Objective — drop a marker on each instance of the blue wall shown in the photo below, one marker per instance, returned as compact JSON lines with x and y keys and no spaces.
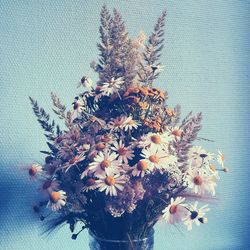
{"x":47,"y":46}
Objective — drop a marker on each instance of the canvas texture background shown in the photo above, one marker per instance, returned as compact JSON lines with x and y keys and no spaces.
{"x":47,"y":46}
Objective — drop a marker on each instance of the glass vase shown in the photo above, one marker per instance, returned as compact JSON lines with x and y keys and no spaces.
{"x":96,"y":243}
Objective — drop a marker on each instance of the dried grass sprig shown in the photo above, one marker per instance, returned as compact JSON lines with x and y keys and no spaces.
{"x":191,"y":126}
{"x":155,"y":41}
{"x":61,"y":111}
{"x":43,"y":119}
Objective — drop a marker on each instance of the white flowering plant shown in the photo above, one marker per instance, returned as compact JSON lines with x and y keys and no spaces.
{"x":124,"y":160}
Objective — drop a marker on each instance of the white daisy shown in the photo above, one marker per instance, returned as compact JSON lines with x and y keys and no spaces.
{"x":221,"y":158}
{"x":35,"y":171}
{"x":196,"y":151}
{"x":196,"y":215}
{"x":57,"y":200}
{"x":141,"y":168}
{"x":130,"y":124}
{"x":103,"y":161}
{"x":200,"y":182}
{"x":176,"y":211}
{"x":96,"y":148}
{"x":73,"y":161}
{"x":199,"y":156}
{"x":175,"y":132}
{"x":213,"y":171}
{"x":66,"y":151}
{"x":90,"y":184}
{"x":111,"y":87}
{"x":154,"y":158}
{"x":110,"y":183}
{"x":97,"y":93}
{"x":124,"y":153}
{"x":85,"y":82}
{"x":155,"y":140}
{"x":79,"y":105}
{"x":117,"y":123}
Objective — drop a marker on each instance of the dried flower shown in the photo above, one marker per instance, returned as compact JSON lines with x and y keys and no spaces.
{"x":196,"y":215}
{"x":57,"y":200}
{"x":176,"y":211}
{"x":86,"y":82}
{"x":35,"y":170}
{"x":111,"y":87}
{"x":200,"y":182}
{"x":104,"y":161}
{"x":124,"y":152}
{"x":110,"y":183}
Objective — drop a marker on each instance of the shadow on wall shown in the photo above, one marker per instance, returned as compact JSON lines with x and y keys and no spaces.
{"x":17,"y":196}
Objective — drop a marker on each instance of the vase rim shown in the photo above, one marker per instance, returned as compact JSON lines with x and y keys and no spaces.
{"x":151,"y":232}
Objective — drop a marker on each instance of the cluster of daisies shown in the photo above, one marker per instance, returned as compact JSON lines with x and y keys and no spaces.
{"x":200,"y":179}
{"x":104,"y":154}
{"x":123,"y":155}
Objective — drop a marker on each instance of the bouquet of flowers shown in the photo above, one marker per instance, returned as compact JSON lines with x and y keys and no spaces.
{"x":123,"y":160}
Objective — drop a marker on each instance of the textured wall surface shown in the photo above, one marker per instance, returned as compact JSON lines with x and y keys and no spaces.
{"x":47,"y":46}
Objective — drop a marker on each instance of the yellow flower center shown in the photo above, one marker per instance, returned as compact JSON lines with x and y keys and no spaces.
{"x":142,"y":165}
{"x":122,"y":151}
{"x":197,"y":180}
{"x":154,"y":158}
{"x":173,"y":209}
{"x":100,"y":146}
{"x":118,"y":122}
{"x":222,"y":157}
{"x":131,"y":122}
{"x":110,"y":180}
{"x":32,"y":171}
{"x":73,"y":160}
{"x":90,"y":182}
{"x":105,"y":164}
{"x":177,"y":132}
{"x":55,"y":196}
{"x":156,"y":139}
{"x":98,"y":90}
